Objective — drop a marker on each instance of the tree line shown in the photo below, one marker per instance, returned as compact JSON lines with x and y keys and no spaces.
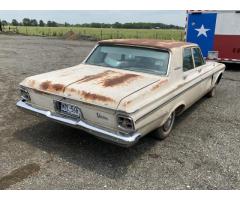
{"x":134,"y":25}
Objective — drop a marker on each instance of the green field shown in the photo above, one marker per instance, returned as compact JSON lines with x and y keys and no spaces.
{"x":99,"y":33}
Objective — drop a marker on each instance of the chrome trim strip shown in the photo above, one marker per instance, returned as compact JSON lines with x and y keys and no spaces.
{"x":167,"y":94}
{"x":174,"y":97}
{"x":114,"y":137}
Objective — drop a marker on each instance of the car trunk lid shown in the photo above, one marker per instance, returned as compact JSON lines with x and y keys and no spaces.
{"x":96,"y":85}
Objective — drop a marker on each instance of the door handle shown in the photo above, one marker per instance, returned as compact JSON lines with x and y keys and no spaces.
{"x":199,"y":70}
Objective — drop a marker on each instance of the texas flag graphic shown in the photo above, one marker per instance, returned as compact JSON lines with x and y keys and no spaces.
{"x":216,"y":32}
{"x":201,"y":30}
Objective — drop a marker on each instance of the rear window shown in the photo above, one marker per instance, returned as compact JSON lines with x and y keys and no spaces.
{"x":131,"y":58}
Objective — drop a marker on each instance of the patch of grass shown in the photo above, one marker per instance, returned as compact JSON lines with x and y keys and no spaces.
{"x":104,"y":33}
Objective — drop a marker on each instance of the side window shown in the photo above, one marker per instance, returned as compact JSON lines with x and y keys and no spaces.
{"x":198,"y":59}
{"x":187,"y":60}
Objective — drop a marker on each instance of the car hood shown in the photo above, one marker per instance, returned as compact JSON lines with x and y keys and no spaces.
{"x":96,"y":85}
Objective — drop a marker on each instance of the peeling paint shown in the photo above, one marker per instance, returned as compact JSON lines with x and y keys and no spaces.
{"x":151,"y":43}
{"x":96,"y":97}
{"x":31,"y":83}
{"x":158,"y":85}
{"x":96,"y":76}
{"x":127,"y":103}
{"x":47,"y":85}
{"x":58,"y":87}
{"x":110,"y":82}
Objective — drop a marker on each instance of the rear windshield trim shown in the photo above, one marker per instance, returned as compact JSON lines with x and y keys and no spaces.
{"x":132,"y":46}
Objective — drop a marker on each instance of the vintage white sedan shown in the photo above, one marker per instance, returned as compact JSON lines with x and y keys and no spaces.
{"x":125,"y":88}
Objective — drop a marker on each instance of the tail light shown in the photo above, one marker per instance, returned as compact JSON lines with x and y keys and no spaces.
{"x":24,"y":94}
{"x":125,"y":123}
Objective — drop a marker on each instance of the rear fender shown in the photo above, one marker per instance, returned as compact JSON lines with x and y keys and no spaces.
{"x":217,"y":76}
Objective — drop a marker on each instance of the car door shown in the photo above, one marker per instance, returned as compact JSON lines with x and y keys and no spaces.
{"x":191,"y":78}
{"x":202,"y":68}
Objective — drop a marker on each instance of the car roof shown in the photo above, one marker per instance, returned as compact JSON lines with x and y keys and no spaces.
{"x":150,"y":43}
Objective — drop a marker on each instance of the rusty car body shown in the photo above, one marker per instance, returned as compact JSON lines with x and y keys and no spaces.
{"x":123,"y":104}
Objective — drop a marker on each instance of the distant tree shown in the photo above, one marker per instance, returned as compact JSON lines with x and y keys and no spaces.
{"x":117,"y":25}
{"x":4,"y":23}
{"x":0,"y":26}
{"x":66,"y":24}
{"x":15,"y":22}
{"x":96,"y":25}
{"x":54,"y":24}
{"x":26,"y":22}
{"x":41,"y":23}
{"x":51,"y":24}
{"x":33,"y":22}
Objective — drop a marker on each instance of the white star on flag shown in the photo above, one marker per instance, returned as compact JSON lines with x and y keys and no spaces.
{"x":202,"y":31}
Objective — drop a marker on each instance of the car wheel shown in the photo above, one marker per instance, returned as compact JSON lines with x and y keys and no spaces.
{"x":164,"y":131}
{"x":212,"y":92}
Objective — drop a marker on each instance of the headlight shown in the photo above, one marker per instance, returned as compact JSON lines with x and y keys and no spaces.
{"x":24,"y":94}
{"x":125,"y":123}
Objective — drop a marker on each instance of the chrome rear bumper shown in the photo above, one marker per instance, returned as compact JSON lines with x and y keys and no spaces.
{"x":120,"y":139}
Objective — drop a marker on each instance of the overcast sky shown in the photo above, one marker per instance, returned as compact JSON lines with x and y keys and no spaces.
{"x":74,"y":17}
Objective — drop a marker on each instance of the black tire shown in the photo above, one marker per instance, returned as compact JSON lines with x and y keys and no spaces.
{"x":164,"y":131}
{"x":212,"y":92}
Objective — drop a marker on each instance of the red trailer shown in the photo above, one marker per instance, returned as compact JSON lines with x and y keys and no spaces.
{"x":216,"y":32}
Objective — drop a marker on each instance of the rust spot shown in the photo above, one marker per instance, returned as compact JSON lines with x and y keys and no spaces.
{"x":166,"y":44}
{"x":96,"y":76}
{"x":127,"y":103}
{"x":158,"y":85}
{"x":31,"y":83}
{"x":58,"y":87}
{"x":110,"y":82}
{"x":40,"y":92}
{"x":90,"y":96}
{"x":47,"y":85}
{"x":72,"y":90}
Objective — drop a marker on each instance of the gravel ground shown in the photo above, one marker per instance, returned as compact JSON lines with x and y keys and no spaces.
{"x":201,"y":153}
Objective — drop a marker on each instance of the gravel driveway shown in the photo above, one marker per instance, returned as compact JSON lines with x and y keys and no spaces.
{"x":201,"y":153}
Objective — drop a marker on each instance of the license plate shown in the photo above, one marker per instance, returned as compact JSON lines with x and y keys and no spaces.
{"x":68,"y":109}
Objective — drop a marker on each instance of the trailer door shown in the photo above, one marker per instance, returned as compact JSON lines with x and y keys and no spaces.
{"x":227,"y":36}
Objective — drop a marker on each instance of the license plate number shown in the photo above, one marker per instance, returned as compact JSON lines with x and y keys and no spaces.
{"x":68,"y":109}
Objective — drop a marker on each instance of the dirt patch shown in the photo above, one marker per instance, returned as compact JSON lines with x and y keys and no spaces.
{"x":18,"y":175}
{"x":154,"y":155}
{"x":71,"y":35}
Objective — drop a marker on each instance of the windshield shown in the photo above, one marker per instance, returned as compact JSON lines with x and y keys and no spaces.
{"x":131,"y":58}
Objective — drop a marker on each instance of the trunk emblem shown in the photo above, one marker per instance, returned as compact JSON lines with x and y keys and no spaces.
{"x":99,"y":115}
